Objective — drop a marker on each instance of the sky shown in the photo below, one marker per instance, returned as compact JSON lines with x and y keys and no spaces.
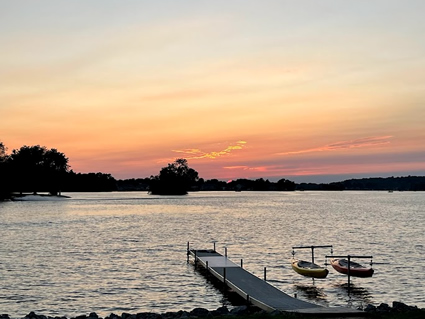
{"x":307,"y":90}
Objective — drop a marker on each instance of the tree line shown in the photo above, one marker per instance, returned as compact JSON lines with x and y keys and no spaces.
{"x":33,"y":169}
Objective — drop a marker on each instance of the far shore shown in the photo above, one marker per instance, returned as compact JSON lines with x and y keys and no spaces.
{"x":37,"y":196}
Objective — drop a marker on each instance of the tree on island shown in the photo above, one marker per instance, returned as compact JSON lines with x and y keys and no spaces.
{"x":175,"y":179}
{"x":4,"y":173}
{"x":36,"y":168}
{"x":2,"y":152}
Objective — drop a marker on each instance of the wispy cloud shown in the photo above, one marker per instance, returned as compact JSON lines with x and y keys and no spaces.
{"x":357,"y":143}
{"x":248,"y":168}
{"x":194,"y":153}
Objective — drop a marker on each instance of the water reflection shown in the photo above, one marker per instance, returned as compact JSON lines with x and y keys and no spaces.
{"x":310,"y":292}
{"x":357,"y":295}
{"x":100,"y":252}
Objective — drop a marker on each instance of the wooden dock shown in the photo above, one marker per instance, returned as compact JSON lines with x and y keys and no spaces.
{"x":259,"y":292}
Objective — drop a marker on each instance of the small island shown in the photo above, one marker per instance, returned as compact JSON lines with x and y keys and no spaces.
{"x":175,"y":179}
{"x":33,"y":170}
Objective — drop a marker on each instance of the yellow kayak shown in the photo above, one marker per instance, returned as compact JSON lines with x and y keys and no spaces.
{"x":309,"y":269}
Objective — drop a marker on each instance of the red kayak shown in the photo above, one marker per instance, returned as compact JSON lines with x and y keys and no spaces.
{"x":356,"y":270}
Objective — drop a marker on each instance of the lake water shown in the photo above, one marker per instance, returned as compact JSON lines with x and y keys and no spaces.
{"x":126,"y":252}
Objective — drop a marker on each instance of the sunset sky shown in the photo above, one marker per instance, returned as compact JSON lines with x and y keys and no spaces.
{"x":314,"y":91}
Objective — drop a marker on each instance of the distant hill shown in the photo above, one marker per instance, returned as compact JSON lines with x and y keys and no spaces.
{"x":408,"y":183}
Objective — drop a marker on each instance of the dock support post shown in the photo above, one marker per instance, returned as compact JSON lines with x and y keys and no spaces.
{"x":241,"y":263}
{"x":187,"y":251}
{"x":348,"y":272}
{"x":348,"y":257}
{"x":214,"y":244}
{"x":265,"y":274}
{"x":196,"y":259}
{"x":225,"y":251}
{"x":206,"y":265}
{"x":224,"y":275}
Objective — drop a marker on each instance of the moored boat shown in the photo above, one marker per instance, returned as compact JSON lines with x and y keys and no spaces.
{"x":356,"y":270}
{"x":309,"y":269}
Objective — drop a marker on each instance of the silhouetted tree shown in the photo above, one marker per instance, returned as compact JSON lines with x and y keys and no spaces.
{"x":2,"y":151}
{"x":4,"y":173}
{"x":175,"y":179}
{"x":133,"y":184}
{"x":90,"y":182}
{"x":35,"y":168}
{"x":261,"y":185}
{"x":213,"y":185}
{"x":285,"y":185}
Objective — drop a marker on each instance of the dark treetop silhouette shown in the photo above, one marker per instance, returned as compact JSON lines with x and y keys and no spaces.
{"x":38,"y":169}
{"x":31,"y":169}
{"x":175,"y":179}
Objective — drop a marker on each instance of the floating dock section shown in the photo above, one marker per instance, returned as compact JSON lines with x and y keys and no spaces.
{"x":259,"y":292}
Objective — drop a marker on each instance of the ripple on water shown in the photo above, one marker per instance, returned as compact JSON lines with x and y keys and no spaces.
{"x":126,"y":252}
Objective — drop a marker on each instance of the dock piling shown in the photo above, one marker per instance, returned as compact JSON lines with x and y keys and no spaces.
{"x":349,"y":266}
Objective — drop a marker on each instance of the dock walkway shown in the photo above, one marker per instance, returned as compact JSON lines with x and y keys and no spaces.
{"x":257,"y":291}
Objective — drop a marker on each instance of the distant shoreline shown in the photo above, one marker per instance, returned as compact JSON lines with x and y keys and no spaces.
{"x":35,"y":197}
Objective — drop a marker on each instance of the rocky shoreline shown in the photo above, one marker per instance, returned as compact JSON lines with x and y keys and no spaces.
{"x":383,"y":308}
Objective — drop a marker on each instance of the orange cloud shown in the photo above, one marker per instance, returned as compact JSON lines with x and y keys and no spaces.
{"x":357,"y":143}
{"x":194,"y":153}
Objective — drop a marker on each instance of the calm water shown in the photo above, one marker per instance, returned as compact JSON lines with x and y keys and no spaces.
{"x":126,"y":252}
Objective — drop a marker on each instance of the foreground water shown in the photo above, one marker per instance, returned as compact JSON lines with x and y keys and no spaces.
{"x":126,"y":252}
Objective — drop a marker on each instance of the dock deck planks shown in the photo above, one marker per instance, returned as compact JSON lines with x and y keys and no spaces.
{"x":257,"y":291}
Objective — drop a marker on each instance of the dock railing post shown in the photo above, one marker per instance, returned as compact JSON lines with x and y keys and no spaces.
{"x":225,"y":251}
{"x":214,"y":244}
{"x":265,"y":274}
{"x":241,"y":263}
